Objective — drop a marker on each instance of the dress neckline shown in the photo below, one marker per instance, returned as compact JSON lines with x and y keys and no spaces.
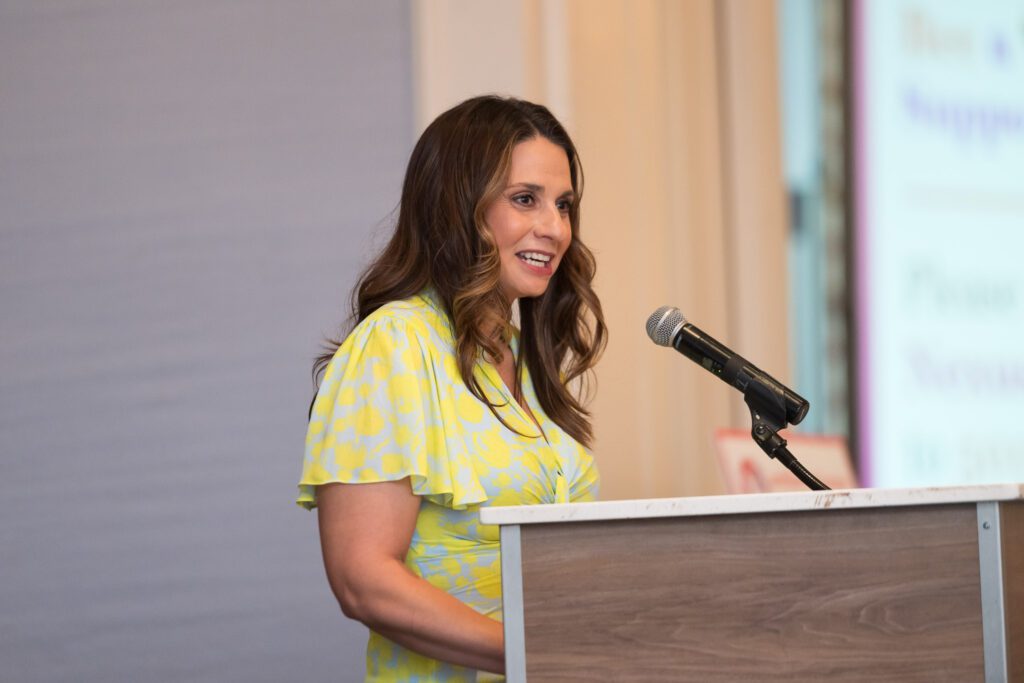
{"x":529,"y":416}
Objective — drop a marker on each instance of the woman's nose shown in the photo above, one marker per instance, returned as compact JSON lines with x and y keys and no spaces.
{"x":551,"y":223}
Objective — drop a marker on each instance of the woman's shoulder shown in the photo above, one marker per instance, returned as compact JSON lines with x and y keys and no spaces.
{"x":421,"y":316}
{"x":401,"y":334}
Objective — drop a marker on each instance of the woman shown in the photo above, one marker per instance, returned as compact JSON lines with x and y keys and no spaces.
{"x":435,"y":405}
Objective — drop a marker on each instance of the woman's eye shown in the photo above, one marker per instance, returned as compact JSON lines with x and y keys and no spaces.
{"x":523,"y":199}
{"x":564,"y":205}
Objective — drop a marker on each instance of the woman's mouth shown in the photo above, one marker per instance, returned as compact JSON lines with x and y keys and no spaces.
{"x":536,"y":259}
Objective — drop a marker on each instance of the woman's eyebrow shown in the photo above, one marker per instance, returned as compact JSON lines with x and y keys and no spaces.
{"x":533,"y":187}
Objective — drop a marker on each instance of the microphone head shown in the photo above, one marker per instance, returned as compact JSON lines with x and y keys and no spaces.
{"x":663,"y":325}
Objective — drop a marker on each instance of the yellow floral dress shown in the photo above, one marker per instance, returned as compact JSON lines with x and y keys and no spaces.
{"x":392,"y":405}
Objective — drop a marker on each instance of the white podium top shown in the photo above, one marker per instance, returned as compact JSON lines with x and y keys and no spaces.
{"x":748,"y":503}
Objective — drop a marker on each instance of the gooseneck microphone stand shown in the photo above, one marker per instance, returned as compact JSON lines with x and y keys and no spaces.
{"x":768,"y":416}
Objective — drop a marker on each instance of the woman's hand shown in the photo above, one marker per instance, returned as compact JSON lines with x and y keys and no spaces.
{"x":365,"y":531}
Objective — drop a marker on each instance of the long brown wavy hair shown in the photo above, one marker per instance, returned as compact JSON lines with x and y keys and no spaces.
{"x":460,"y":165}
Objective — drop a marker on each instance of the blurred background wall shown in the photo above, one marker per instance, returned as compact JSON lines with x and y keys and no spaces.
{"x":188,"y":191}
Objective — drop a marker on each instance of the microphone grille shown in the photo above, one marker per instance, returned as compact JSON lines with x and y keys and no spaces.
{"x":663,"y":324}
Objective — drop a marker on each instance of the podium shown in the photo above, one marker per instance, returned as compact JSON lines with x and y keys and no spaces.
{"x":855,"y":585}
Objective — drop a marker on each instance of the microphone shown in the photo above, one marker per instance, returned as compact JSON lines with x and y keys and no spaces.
{"x":668,"y":327}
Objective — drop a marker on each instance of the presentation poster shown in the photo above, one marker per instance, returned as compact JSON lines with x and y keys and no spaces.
{"x":939,"y":256}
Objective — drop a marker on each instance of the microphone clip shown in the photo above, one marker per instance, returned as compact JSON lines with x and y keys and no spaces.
{"x":767,"y":417}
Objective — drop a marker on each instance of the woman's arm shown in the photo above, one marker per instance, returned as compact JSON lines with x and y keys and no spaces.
{"x":365,"y":531}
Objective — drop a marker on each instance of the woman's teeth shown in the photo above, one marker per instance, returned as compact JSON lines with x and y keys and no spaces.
{"x":534,"y":258}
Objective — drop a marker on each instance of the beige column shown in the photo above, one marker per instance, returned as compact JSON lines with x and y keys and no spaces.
{"x":646,"y":103}
{"x":756,"y":221}
{"x":463,"y":48}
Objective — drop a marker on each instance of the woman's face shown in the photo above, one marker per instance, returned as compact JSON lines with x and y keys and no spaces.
{"x":530,"y":218}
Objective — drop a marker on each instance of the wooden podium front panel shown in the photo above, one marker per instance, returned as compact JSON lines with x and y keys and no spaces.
{"x":854,"y":595}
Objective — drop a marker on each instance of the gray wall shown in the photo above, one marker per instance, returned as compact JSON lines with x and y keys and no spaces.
{"x":186,"y":191}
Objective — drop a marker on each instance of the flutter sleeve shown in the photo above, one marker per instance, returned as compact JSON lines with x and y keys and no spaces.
{"x":379,"y":416}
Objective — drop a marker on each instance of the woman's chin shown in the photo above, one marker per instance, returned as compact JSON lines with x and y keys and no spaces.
{"x":532,"y":292}
{"x":525,"y":290}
